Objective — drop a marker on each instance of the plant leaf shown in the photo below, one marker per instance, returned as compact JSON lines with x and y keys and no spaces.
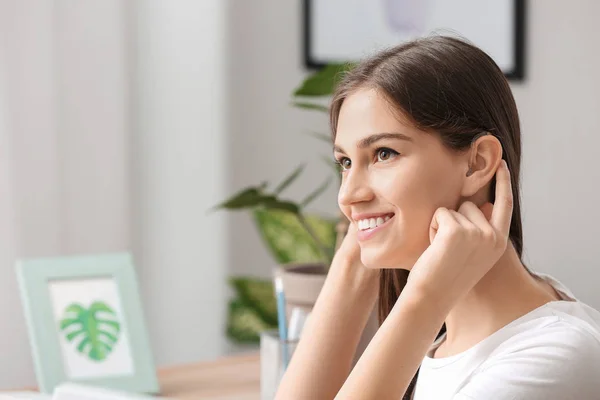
{"x":316,"y":193}
{"x":286,"y":238}
{"x":273,"y":203}
{"x":310,"y":106}
{"x":257,"y":294}
{"x":324,"y":81}
{"x":244,"y":324}
{"x":249,"y":197}
{"x":287,"y":181}
{"x":324,"y":228}
{"x":86,"y":328}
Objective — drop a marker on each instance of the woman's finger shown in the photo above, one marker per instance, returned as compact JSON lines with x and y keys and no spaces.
{"x":441,"y":217}
{"x":463,"y":220}
{"x":475,"y":215}
{"x":503,"y":206}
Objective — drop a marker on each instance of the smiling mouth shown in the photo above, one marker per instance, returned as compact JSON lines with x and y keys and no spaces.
{"x":372,"y":223}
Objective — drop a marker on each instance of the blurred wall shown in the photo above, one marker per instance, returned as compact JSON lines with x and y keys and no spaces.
{"x":179,"y":168}
{"x":268,"y":138}
{"x":112,"y":128}
{"x":14,"y":344}
{"x":65,"y":123}
{"x":560,"y":114}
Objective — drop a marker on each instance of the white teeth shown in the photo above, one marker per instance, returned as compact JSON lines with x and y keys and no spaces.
{"x":371,"y":223}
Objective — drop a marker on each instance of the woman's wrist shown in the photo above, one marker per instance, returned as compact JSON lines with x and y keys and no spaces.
{"x":353,"y":278}
{"x":425,"y":301}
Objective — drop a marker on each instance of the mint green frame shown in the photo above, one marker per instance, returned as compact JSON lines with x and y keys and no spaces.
{"x":33,"y":276}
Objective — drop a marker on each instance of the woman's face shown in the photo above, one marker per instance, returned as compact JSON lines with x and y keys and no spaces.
{"x":394,"y":177}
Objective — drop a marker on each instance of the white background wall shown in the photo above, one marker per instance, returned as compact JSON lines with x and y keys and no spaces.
{"x":125,"y":121}
{"x":559,"y":105}
{"x":113,"y":132}
{"x":65,"y":183}
{"x":179,"y":170}
{"x":265,"y":67}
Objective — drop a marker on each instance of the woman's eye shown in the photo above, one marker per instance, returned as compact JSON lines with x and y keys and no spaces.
{"x":345,"y":163}
{"x":385,"y":154}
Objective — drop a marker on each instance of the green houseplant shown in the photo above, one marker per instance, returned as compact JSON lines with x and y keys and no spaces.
{"x":297,"y":240}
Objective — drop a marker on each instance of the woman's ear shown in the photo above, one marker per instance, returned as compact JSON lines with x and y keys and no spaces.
{"x":484,"y":158}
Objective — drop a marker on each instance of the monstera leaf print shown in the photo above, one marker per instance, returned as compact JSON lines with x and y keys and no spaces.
{"x":94,"y":330}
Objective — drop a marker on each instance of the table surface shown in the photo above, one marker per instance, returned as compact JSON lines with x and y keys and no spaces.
{"x":227,"y":378}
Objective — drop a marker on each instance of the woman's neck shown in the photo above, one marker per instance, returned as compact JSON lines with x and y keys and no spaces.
{"x":504,"y":294}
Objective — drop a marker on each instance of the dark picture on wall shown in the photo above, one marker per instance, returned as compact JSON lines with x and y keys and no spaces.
{"x":349,"y":30}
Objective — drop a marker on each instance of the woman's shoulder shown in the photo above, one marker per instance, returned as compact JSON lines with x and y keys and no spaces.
{"x":558,"y":329}
{"x":572,"y":325}
{"x":566,"y":316}
{"x":559,"y":350}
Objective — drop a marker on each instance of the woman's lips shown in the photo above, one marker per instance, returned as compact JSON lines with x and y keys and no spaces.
{"x":366,"y":234}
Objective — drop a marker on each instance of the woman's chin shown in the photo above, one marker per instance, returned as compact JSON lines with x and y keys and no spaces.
{"x":374,"y":259}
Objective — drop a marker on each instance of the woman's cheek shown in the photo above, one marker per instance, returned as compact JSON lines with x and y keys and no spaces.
{"x":417,"y":210}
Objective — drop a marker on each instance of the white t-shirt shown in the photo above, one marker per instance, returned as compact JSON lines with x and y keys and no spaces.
{"x":553,"y":352}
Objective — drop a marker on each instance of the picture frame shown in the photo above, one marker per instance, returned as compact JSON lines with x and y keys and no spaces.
{"x":85,"y":322}
{"x":341,"y":31}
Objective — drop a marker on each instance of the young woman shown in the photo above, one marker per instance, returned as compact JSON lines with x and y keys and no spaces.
{"x":428,"y":139}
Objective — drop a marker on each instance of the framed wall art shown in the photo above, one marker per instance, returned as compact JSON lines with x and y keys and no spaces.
{"x":339,"y":31}
{"x":86,"y":323}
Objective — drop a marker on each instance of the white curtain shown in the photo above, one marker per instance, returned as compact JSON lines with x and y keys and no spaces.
{"x":64,"y":146}
{"x":16,"y":365}
{"x":112,"y":139}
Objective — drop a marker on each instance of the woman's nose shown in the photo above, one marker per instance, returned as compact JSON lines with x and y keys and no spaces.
{"x":354,"y":189}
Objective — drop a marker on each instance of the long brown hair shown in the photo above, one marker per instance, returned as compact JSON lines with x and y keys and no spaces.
{"x":449,"y":87}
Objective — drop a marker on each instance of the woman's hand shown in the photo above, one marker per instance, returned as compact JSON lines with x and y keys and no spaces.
{"x":465,"y":245}
{"x":347,"y":261}
{"x":323,"y":357}
{"x":349,"y":249}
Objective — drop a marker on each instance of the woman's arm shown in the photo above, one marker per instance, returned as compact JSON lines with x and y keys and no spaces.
{"x":323,"y":358}
{"x":391,"y":360}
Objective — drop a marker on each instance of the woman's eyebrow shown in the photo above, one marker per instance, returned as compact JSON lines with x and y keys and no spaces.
{"x":369,"y":140}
